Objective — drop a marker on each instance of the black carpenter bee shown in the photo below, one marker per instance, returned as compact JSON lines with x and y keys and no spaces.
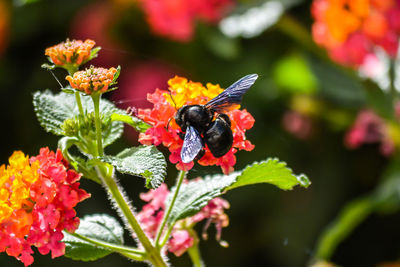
{"x":207,"y":124}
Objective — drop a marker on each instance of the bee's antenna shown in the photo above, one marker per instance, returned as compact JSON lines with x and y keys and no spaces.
{"x":172,"y":100}
{"x":55,"y":77}
{"x":169,"y":120}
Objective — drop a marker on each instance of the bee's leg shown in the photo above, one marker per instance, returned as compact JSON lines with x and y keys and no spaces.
{"x":201,"y":154}
{"x":202,"y":151}
{"x":181,"y":135}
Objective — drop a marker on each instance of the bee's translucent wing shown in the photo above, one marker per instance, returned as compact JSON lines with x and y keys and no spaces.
{"x":192,"y":145}
{"x":233,"y":94}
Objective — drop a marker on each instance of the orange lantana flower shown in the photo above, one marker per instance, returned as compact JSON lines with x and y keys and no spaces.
{"x":92,"y":79}
{"x":73,"y":52}
{"x":350,"y":29}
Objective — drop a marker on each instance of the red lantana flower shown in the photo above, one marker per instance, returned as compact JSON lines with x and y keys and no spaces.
{"x":165,"y":130}
{"x":37,"y":200}
{"x":351,"y":29}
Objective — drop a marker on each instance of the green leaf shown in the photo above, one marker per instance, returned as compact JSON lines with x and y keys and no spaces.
{"x":116,"y":75}
{"x":64,"y":144}
{"x":53,"y":109}
{"x":271,"y":171}
{"x":93,"y":53}
{"x":78,"y":163}
{"x":380,"y":101}
{"x":133,"y":121}
{"x":100,"y":227}
{"x":145,"y":161}
{"x":68,"y":90}
{"x":194,"y":195}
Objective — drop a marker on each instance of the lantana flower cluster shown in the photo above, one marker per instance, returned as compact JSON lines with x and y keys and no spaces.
{"x":350,"y":30}
{"x":37,"y":200}
{"x":92,"y":79}
{"x":70,"y":52}
{"x":182,"y":235}
{"x":176,"y":19}
{"x":165,"y":130}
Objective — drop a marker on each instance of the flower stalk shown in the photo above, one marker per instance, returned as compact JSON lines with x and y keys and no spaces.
{"x":133,"y":253}
{"x":79,"y":103}
{"x":96,"y":103}
{"x":194,"y":254}
{"x":181,"y":176}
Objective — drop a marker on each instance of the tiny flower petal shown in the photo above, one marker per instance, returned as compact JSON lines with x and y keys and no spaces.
{"x":180,"y":242}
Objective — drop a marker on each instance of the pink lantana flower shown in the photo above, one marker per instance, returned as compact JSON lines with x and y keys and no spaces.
{"x":369,"y":128}
{"x":176,"y":18}
{"x":182,"y":236}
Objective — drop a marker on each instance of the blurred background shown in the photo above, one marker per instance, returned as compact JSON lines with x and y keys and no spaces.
{"x":335,"y":122}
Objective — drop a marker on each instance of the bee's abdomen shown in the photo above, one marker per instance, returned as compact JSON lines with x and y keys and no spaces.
{"x":219,"y":137}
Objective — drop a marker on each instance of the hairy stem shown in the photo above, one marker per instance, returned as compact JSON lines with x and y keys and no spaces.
{"x":152,"y":254}
{"x":180,"y":178}
{"x":138,"y":254}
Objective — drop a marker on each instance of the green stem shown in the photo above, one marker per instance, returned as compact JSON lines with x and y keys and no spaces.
{"x":194,"y":254}
{"x":79,"y":103}
{"x":71,"y":70}
{"x":152,"y":254}
{"x":96,"y":103}
{"x":180,"y":178}
{"x":392,"y":79}
{"x":114,"y":247}
{"x":348,"y":219}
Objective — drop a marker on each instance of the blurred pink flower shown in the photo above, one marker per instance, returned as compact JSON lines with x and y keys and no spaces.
{"x":176,"y":18}
{"x":4,"y":24}
{"x":297,"y":124}
{"x":369,"y":128}
{"x":94,"y":21}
